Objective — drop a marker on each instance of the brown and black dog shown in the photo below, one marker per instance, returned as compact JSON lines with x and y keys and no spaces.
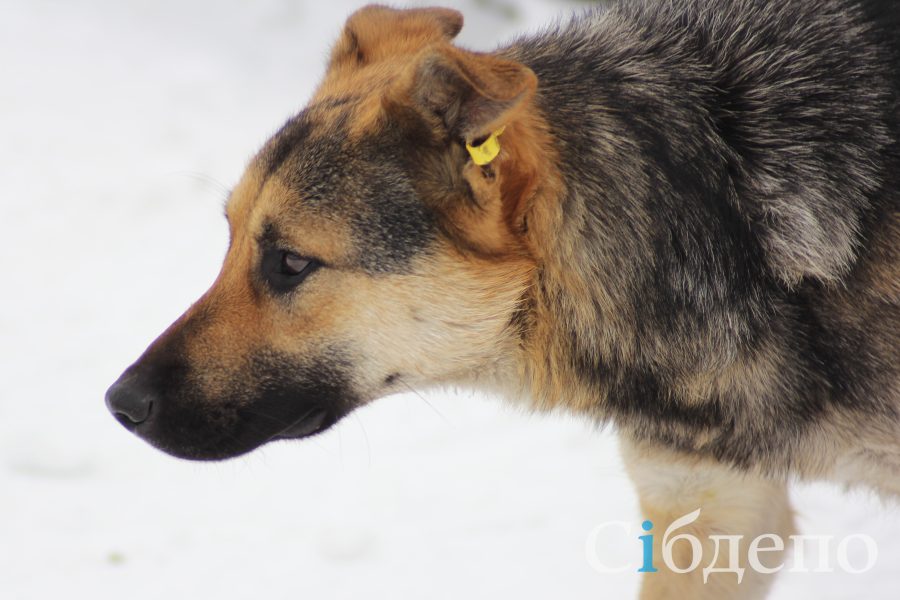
{"x":682,"y":217}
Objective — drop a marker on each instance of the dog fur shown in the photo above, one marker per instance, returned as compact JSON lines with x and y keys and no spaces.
{"x":692,"y":231}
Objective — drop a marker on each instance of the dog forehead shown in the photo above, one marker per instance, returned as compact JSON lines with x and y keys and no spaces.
{"x":292,"y":170}
{"x":313,"y":171}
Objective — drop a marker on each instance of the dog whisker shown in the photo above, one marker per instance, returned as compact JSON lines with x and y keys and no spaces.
{"x":422,"y":398}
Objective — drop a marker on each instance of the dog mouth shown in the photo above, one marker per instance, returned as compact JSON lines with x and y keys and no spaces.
{"x":242,"y":440}
{"x":167,"y":411}
{"x":314,"y":421}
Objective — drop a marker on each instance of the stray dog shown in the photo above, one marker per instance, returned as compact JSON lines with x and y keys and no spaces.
{"x":681,"y":217}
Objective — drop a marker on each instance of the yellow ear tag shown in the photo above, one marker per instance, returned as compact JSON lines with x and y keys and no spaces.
{"x":486,"y":151}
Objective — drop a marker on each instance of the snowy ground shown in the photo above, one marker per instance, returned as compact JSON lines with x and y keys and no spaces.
{"x":121,"y":126}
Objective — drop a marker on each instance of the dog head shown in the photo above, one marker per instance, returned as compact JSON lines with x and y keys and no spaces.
{"x":368,"y":251}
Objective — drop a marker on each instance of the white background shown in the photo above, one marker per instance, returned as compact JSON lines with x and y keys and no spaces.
{"x":122,"y":125}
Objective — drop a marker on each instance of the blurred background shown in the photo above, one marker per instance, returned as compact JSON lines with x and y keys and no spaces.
{"x":122,"y":126}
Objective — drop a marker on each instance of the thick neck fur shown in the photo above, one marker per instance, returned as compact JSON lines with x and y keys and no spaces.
{"x":721,"y":169}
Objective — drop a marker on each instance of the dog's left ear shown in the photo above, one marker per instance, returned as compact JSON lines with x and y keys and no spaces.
{"x":376,"y":32}
{"x":470,"y":94}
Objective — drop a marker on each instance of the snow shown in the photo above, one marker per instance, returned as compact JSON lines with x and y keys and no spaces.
{"x":122,"y":125}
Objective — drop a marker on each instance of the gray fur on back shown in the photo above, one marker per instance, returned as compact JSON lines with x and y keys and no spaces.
{"x":729,"y":167}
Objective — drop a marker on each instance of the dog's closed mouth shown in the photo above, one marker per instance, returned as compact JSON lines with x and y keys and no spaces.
{"x":313,"y":422}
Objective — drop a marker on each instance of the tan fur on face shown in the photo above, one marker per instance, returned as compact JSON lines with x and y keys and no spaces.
{"x":237,"y":319}
{"x":444,"y":323}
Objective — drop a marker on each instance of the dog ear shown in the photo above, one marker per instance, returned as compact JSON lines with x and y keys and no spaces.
{"x":375,"y":32}
{"x":471,"y":94}
{"x":472,"y":97}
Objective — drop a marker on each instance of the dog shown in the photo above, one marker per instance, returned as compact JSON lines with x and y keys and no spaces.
{"x":680,"y":217}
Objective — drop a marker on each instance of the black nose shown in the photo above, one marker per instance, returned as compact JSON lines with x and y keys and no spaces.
{"x":129,"y":402}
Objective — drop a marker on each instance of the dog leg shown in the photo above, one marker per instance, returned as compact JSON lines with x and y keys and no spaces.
{"x":732,"y":503}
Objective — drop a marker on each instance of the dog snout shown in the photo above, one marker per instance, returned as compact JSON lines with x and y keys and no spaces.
{"x":130,"y":402}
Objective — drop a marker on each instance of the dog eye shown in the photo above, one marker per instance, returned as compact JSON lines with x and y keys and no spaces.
{"x":293,"y":265}
{"x":284,"y":270}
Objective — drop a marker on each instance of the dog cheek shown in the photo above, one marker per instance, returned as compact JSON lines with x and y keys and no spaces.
{"x":440,"y":325}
